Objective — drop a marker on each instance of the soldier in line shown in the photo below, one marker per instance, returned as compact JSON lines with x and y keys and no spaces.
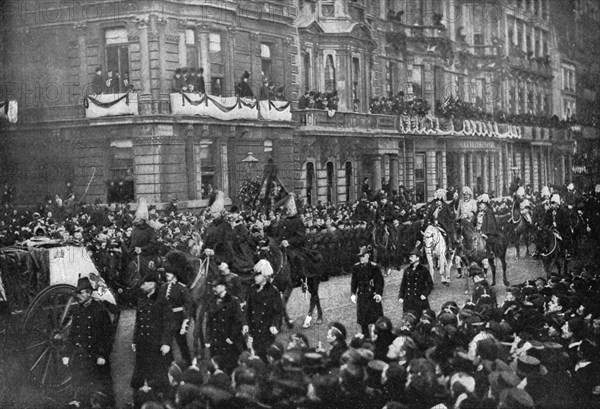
{"x":178,"y":297}
{"x":89,"y":345}
{"x":366,"y":286}
{"x":224,"y":325}
{"x":152,"y":337}
{"x":263,"y":310}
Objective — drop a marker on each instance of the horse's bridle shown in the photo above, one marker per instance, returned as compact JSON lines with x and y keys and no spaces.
{"x":434,"y":244}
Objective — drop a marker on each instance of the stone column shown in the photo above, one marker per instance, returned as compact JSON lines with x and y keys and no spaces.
{"x":493,"y":174}
{"x":471,"y":161}
{"x":462,"y":169}
{"x":394,"y":172}
{"x":164,"y":90}
{"x":203,"y":57}
{"x":450,"y":12}
{"x":484,"y":172}
{"x":144,"y":57}
{"x":229,"y":61}
{"x":287,"y":69}
{"x":182,"y":26}
{"x":376,"y":173}
{"x":84,"y":84}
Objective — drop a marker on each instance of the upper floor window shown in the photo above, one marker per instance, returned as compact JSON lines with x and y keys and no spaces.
{"x":265,"y":56}
{"x":217,"y":70}
{"x":116,"y":58}
{"x":330,"y":81}
{"x":190,"y":48}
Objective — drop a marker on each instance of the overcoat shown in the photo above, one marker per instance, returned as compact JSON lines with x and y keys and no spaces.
{"x":415,"y":283}
{"x":367,"y":281}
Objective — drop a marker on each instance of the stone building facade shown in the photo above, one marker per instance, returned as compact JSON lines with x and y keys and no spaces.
{"x":361,"y":49}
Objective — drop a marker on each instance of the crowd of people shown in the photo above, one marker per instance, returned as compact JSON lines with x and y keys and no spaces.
{"x":111,"y":82}
{"x":319,"y":100}
{"x":536,"y":349}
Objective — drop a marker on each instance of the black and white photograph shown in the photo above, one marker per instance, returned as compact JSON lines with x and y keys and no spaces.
{"x":299,"y":204}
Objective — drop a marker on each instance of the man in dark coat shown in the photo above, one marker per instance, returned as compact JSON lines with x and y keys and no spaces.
{"x":263,"y":310}
{"x":556,"y":219}
{"x":177,"y":82}
{"x":200,"y":84}
{"x":178,"y":297}
{"x":152,"y":337}
{"x":366,"y":286}
{"x":243,"y":88}
{"x":89,"y":345}
{"x":143,"y":236}
{"x":485,"y":222}
{"x":224,"y":325}
{"x":98,"y":82}
{"x":416,"y":285}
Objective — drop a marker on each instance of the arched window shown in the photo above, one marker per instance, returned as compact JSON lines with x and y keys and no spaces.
{"x":348,"y":180}
{"x":330,"y":183}
{"x":310,"y":178}
{"x":265,"y":56}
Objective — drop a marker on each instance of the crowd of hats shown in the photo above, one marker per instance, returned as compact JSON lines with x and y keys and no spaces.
{"x":399,"y":105}
{"x":319,"y":100}
{"x":538,"y":349}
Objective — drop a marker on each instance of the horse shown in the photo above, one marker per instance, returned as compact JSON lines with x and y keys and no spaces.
{"x":382,"y":244}
{"x":519,"y":230}
{"x":552,"y":250}
{"x":435,"y":249}
{"x":475,"y":248}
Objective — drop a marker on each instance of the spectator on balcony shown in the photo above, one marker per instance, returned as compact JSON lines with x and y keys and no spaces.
{"x":111,"y":83}
{"x":177,"y":82}
{"x":216,"y":87}
{"x":126,"y":85}
{"x":279,"y":96}
{"x":356,"y":105}
{"x":185,"y":74}
{"x":98,"y":82}
{"x":243,"y":87}
{"x":304,"y":100}
{"x":200,"y":84}
{"x":191,"y":81}
{"x":264,"y":90}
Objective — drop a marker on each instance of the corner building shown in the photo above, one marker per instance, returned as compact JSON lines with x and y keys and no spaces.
{"x":492,"y":54}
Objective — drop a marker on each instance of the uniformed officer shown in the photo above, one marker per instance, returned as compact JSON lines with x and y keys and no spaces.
{"x":224,"y":325}
{"x":366,"y":287}
{"x":485,"y":221}
{"x":416,"y":285}
{"x":440,"y":215}
{"x":523,"y":204}
{"x":152,"y":337}
{"x":88,"y":346}
{"x":263,"y":310}
{"x":178,"y":297}
{"x":233,"y":282}
{"x":556,"y":220}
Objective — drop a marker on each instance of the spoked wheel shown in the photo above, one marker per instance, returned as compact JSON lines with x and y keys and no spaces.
{"x":44,"y":333}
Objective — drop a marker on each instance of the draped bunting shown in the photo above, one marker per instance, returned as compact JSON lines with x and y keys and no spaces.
{"x":229,"y":108}
{"x":9,"y":111}
{"x":110,"y":105}
{"x":431,"y":125}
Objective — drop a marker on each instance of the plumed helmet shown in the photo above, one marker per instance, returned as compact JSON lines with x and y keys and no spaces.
{"x":218,"y":206}
{"x":545,"y":192}
{"x":571,"y":186}
{"x":289,"y":204}
{"x":597,"y":188}
{"x":521,"y":191}
{"x":440,"y":194}
{"x":263,"y":267}
{"x":555,"y":199}
{"x":142,"y":209}
{"x":484,"y":198}
{"x":466,"y":190}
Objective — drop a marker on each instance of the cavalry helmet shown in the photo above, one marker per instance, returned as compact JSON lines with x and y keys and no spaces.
{"x":484,"y":198}
{"x":571,"y":186}
{"x":555,"y":199}
{"x":466,"y":190}
{"x":545,"y":192}
{"x":521,"y":191}
{"x":440,"y":194}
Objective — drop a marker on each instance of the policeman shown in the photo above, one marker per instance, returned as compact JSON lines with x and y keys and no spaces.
{"x":416,"y":285}
{"x":178,"y":297}
{"x":152,"y":337}
{"x":263,"y":310}
{"x":224,"y":325}
{"x":366,"y":287}
{"x":89,"y":345}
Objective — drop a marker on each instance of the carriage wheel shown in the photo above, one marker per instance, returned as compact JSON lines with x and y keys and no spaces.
{"x":44,"y":333}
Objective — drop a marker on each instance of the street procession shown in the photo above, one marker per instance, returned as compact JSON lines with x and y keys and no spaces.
{"x":300,"y":204}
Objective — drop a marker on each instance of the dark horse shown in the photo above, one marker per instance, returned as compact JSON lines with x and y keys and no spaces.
{"x":552,"y":250}
{"x":475,"y":248}
{"x":519,"y":230}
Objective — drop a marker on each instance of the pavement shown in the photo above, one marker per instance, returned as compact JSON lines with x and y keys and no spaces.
{"x":335,"y":300}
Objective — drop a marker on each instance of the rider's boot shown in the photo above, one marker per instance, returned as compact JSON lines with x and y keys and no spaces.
{"x":307,"y":321}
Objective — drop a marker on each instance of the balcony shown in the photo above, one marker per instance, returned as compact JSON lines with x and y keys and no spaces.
{"x":535,"y":66}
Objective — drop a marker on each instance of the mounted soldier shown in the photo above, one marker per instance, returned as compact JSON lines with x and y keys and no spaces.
{"x":556,"y":220}
{"x":485,"y":222}
{"x":440,"y":215}
{"x":523,"y":205}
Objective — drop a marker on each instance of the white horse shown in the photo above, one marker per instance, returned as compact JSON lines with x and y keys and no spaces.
{"x":435,"y":249}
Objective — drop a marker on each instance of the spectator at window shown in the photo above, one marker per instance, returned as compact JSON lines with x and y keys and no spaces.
{"x":192,"y":80}
{"x":279,"y":96}
{"x":243,"y":87}
{"x":216,"y":86}
{"x":177,"y":82}
{"x":126,"y":85}
{"x":98,"y":82}
{"x":200,"y":85}
{"x":264,"y":90}
{"x":304,"y":99}
{"x":111,"y":83}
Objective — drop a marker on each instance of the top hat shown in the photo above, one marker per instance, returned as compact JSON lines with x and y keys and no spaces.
{"x":83,"y":284}
{"x":246,"y":74}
